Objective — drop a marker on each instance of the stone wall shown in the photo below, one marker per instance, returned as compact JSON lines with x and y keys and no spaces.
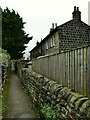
{"x":4,"y":73}
{"x":53,"y":100}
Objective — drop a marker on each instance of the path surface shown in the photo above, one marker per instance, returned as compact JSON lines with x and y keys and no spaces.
{"x":18,"y":102}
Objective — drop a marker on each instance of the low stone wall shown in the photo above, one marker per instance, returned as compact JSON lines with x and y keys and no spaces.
{"x":53,"y":100}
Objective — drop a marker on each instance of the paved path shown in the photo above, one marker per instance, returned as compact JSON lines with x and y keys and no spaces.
{"x":18,"y":102}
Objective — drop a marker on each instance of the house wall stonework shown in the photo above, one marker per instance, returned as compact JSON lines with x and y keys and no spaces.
{"x":73,"y":34}
{"x":54,"y":48}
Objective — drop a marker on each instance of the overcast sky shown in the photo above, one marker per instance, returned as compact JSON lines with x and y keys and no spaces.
{"x":40,"y":14}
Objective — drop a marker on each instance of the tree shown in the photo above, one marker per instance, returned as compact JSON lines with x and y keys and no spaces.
{"x":14,"y":37}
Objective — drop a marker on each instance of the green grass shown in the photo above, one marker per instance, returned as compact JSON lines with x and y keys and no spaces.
{"x":5,"y":98}
{"x":0,"y":108}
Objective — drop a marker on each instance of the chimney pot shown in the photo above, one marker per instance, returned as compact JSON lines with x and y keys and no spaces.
{"x":52,"y":26}
{"x":77,"y":8}
{"x":55,"y":25}
{"x":74,"y":8}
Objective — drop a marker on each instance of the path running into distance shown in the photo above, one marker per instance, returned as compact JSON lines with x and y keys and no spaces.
{"x":19,"y":105}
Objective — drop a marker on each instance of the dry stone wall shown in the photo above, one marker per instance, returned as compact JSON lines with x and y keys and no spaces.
{"x":53,"y":100}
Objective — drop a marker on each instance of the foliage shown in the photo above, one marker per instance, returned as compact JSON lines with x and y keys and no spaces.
{"x":25,"y":89}
{"x":4,"y":57}
{"x":49,"y":113}
{"x":31,"y":102}
{"x":14,"y":37}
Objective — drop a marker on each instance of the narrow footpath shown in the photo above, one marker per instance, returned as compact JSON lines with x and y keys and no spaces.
{"x":19,"y":105}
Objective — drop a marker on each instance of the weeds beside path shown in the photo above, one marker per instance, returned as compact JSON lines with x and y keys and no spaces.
{"x":4,"y":96}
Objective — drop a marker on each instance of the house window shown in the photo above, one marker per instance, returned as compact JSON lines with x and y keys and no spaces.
{"x":53,"y":41}
{"x":89,"y":37}
{"x":39,"y":50}
{"x":46,"y":45}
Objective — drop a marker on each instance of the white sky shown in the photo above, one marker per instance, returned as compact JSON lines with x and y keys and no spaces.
{"x":40,"y":14}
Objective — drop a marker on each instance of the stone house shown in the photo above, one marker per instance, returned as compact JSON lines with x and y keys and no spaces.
{"x":72,"y":34}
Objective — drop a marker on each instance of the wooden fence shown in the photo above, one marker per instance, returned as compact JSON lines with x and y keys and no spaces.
{"x":71,"y":69}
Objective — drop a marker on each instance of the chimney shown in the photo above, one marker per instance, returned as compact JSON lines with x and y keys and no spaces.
{"x":76,"y":13}
{"x":51,"y":29}
{"x":37,"y":42}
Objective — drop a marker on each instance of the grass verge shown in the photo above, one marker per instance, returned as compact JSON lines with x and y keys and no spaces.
{"x":5,"y":92}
